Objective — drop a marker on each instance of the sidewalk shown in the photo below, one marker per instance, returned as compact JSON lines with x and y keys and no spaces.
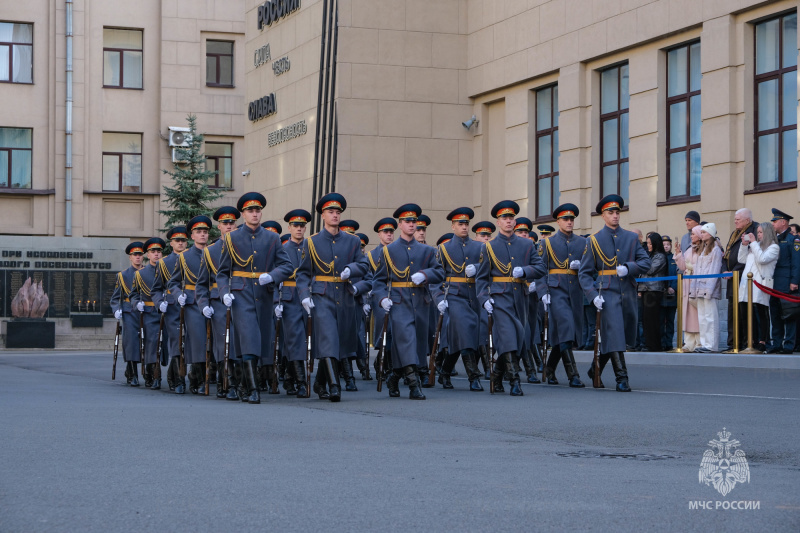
{"x":764,"y":361}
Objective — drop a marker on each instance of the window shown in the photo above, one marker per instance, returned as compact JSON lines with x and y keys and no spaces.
{"x":122,"y":58}
{"x":614,"y":97}
{"x":122,"y":162}
{"x":15,"y":158}
{"x":776,"y":101}
{"x":547,"y":191}
{"x":219,"y":64}
{"x":16,"y":52}
{"x":683,"y":124}
{"x":219,"y":158}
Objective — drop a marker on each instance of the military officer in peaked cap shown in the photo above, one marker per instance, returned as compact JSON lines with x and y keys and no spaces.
{"x":363,"y":309}
{"x":456,"y":297}
{"x":346,"y":364}
{"x":385,"y":228}
{"x":421,"y":235}
{"x":252,"y":263}
{"x":787,"y":279}
{"x":168,"y":306}
{"x":530,"y":355}
{"x":561,"y":293}
{"x":617,"y":257}
{"x":264,"y":374}
{"x":423,"y":222}
{"x":545,"y":230}
{"x":507,"y":261}
{"x":325,"y":283}
{"x":142,"y":299}
{"x":349,"y":226}
{"x":401,"y":282}
{"x":483,"y":233}
{"x":293,"y":317}
{"x":127,"y":313}
{"x":210,"y":301}
{"x":273,"y":226}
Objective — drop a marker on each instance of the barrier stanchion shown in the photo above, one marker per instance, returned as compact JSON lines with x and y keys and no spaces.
{"x":735,"y":307}
{"x":679,"y":343}
{"x":750,"y":349}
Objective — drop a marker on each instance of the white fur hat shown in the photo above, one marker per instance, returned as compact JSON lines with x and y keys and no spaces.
{"x":711,"y":229}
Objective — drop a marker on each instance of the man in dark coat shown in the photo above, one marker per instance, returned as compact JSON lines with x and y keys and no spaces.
{"x":505,"y":264}
{"x":483,"y":233}
{"x":127,"y":313}
{"x":743,"y":223}
{"x":787,"y":279}
{"x":346,"y":364}
{"x":617,"y":257}
{"x":401,"y":282}
{"x":385,"y":228}
{"x":142,"y":299}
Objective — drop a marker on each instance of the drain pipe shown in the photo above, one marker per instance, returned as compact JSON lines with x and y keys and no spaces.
{"x":68,"y":128}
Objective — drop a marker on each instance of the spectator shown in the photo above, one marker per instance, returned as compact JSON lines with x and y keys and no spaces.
{"x":640,"y":310}
{"x":743,"y":224}
{"x":708,"y":290}
{"x":760,"y":258}
{"x":652,"y":292}
{"x":686,"y":261}
{"x":669,"y":305}
{"x":692,"y":219}
{"x":795,"y":229}
{"x":787,"y":279}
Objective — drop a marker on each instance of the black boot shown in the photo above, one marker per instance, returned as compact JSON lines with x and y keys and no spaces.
{"x":552,"y":364}
{"x":425,"y":377}
{"x":347,"y":373}
{"x":282,"y":369}
{"x":414,"y":392}
{"x":497,"y":374}
{"x":602,"y":360}
{"x":249,"y":368}
{"x":272,"y":377}
{"x":537,"y":357}
{"x":172,"y":373}
{"x":180,"y":382}
{"x":262,"y":378}
{"x":234,"y":378}
{"x":440,"y":355}
{"x":363,"y":367}
{"x":194,"y":381}
{"x":148,"y":370}
{"x":468,"y":357}
{"x":572,"y":369}
{"x":134,"y":374}
{"x":449,"y":362}
{"x":290,"y":379}
{"x":221,"y":392}
{"x":530,"y":366}
{"x":156,"y":383}
{"x":483,"y":352}
{"x":298,"y":370}
{"x":335,"y":390}
{"x":128,"y":372}
{"x":393,"y":384}
{"x":201,"y":376}
{"x":212,"y":372}
{"x":512,"y":361}
{"x":620,"y":371}
{"x":321,"y":382}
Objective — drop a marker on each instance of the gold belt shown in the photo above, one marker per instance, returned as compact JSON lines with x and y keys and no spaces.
{"x":213,"y":286}
{"x":507,"y":279}
{"x":149,"y":304}
{"x":290,"y":284}
{"x":329,"y":279}
{"x":127,"y":300}
{"x":243,"y":274}
{"x":403,"y":284}
{"x":607,"y":272}
{"x":188,"y":287}
{"x":461,"y":280}
{"x":563,"y":271}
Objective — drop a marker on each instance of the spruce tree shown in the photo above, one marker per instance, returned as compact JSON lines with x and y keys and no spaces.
{"x":189,"y":195}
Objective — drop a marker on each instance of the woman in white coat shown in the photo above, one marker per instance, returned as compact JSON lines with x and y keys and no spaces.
{"x":760,"y":258}
{"x":708,"y":290}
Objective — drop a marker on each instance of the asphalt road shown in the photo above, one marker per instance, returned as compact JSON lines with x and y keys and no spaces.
{"x":80,"y":452}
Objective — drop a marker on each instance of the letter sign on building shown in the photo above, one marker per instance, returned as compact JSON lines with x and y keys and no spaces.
{"x":263,"y":107}
{"x":274,"y":10}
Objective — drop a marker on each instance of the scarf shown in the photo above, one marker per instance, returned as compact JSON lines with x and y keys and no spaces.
{"x":735,"y":236}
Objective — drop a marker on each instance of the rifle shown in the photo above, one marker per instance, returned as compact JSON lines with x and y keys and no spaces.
{"x":227,"y":346}
{"x":141,"y":344}
{"x":181,"y":333}
{"x":597,"y":383}
{"x":209,"y":348}
{"x":546,"y":327}
{"x":116,"y":351}
{"x":436,"y":338}
{"x":276,"y":358}
{"x":382,"y":350}
{"x":158,"y":346}
{"x":309,"y":361}
{"x":491,"y":350}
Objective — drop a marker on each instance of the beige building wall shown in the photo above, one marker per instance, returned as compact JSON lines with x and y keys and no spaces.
{"x":174,"y":35}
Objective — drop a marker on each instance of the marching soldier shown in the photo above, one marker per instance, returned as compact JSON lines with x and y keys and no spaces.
{"x":166,"y":302}
{"x":142,"y":298}
{"x":507,"y":262}
{"x":400,"y":281}
{"x":251,"y":264}
{"x":483,"y":233}
{"x":530,"y":355}
{"x":209,"y":300}
{"x":127,"y":313}
{"x":561,"y":292}
{"x":293,"y":318}
{"x":266,"y":365}
{"x":618,"y":258}
{"x":183,"y":283}
{"x":457,"y":298}
{"x":385,"y":229}
{"x":422,"y":229}
{"x":334,"y":257}
{"x":442,"y":350}
{"x":349,"y":226}
{"x":363,"y":299}
{"x":424,"y":373}
{"x":346,"y":365}
{"x":273,"y":226}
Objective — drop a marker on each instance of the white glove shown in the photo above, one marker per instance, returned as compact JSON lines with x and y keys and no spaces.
{"x":140,"y":307}
{"x":345,"y":273}
{"x":622,"y":271}
{"x":355,"y":290}
{"x":386,"y":303}
{"x":264,"y":279}
{"x":182,"y":299}
{"x":228,"y":299}
{"x":279,"y":310}
{"x":470,"y":271}
{"x":517,"y":272}
{"x":418,"y":278}
{"x":366,"y":309}
{"x":208,"y":312}
{"x":442,"y":306}
{"x":118,"y":314}
{"x":308,"y":304}
{"x":532,"y":287}
{"x":575,"y":265}
{"x":546,"y":301}
{"x":163,"y":307}
{"x":488,"y":306}
{"x":598,"y":302}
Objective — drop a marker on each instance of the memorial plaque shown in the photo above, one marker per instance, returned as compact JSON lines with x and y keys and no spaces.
{"x":109,"y":281}
{"x":14,"y":281}
{"x":58,"y":291}
{"x":4,"y":311}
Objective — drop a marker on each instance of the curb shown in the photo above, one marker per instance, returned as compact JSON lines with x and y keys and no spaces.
{"x":723,"y":360}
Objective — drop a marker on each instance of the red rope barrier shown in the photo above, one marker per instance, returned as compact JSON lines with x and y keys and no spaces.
{"x":777,"y":294}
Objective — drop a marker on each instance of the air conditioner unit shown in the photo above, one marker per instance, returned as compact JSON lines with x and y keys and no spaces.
{"x":179,"y":137}
{"x":176,"y":158}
